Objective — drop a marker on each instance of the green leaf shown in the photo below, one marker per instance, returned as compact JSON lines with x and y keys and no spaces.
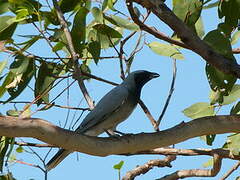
{"x":7,"y":27}
{"x":69,"y":5}
{"x":233,"y":95}
{"x":125,"y":23}
{"x":110,"y":4}
{"x":233,"y":144}
{"x":78,"y":31}
{"x":30,"y":42}
{"x":230,"y":10}
{"x":3,"y":65}
{"x":97,"y":14}
{"x":26,"y":67}
{"x":4,"y":145}
{"x":215,"y":97}
{"x":235,"y":109}
{"x":209,"y":163}
{"x":13,"y":113}
{"x":119,"y":165}
{"x":45,"y":80}
{"x":188,"y":10}
{"x":235,"y":38}
{"x":7,"y":176}
{"x":199,"y":27}
{"x":217,"y":79}
{"x":198,"y":110}
{"x":19,"y":149}
{"x":94,"y":47}
{"x":8,"y":79}
{"x":211,"y":5}
{"x":165,"y":50}
{"x":4,"y":5}
{"x":108,"y":31}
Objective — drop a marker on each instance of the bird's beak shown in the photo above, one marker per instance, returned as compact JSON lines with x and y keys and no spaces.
{"x":154,"y":75}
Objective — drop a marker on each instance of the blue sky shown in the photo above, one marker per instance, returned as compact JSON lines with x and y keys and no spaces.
{"x":191,"y":87}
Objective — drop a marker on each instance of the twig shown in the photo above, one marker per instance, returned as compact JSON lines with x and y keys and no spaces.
{"x":49,"y":104}
{"x":217,"y":161}
{"x":234,"y":168}
{"x":83,"y":58}
{"x":143,"y":169}
{"x":148,"y":114}
{"x":152,"y":30}
{"x":74,"y":55}
{"x":35,"y":145}
{"x":236,"y":50}
{"x":99,"y":79}
{"x":169,"y":94}
{"x":188,"y":152}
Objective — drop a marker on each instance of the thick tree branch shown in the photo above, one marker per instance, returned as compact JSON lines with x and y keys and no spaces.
{"x":217,"y":161}
{"x":188,"y":37}
{"x":99,"y":146}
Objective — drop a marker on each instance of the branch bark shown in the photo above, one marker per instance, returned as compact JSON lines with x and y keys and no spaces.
{"x":143,"y":169}
{"x":217,"y":161}
{"x":128,"y":144}
{"x":188,"y":37}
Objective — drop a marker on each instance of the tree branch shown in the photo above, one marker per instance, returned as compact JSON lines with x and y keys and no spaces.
{"x":224,"y":153}
{"x":188,"y":37}
{"x":234,"y":168}
{"x":143,"y":169}
{"x":217,"y":161}
{"x":74,"y":55}
{"x":101,"y":146}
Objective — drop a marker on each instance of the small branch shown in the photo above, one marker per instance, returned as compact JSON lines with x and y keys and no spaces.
{"x":74,"y":55}
{"x":151,"y":30}
{"x":234,"y":168}
{"x":143,"y":169}
{"x":169,"y":94}
{"x":236,"y":50}
{"x":217,"y":161}
{"x":99,"y":79}
{"x":49,"y":104}
{"x":148,"y":114}
{"x":224,"y":153}
{"x":34,"y":144}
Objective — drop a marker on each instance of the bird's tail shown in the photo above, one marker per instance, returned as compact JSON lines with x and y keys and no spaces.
{"x":57,"y":158}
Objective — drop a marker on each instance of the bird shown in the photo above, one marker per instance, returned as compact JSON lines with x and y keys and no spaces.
{"x":115,"y":107}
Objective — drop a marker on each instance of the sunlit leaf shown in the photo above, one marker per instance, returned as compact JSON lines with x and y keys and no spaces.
{"x":165,"y":50}
{"x":198,"y":110}
{"x":235,"y":37}
{"x":7,"y":27}
{"x":97,"y":14}
{"x":3,"y":65}
{"x":119,"y":165}
{"x":233,"y":144}
{"x":209,"y":163}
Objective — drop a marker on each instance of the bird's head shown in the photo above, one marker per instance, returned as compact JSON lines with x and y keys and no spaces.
{"x":137,"y":79}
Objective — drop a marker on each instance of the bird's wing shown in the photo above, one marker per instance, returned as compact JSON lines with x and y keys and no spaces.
{"x":111,"y":102}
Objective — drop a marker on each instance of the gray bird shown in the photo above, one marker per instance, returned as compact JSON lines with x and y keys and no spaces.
{"x":112,"y":109}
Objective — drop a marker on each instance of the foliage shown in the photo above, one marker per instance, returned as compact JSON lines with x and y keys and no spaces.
{"x":96,"y":28}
